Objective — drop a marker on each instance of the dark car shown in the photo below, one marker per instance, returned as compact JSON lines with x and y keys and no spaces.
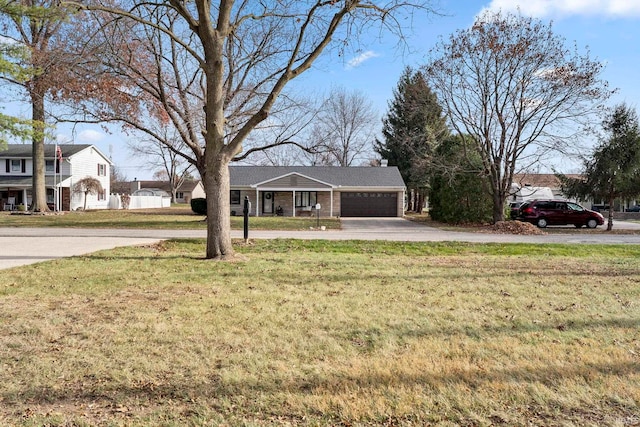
{"x":558,"y":212}
{"x":635,"y":208}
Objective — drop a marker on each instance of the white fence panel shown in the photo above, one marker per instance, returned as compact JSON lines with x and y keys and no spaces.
{"x":115,"y":202}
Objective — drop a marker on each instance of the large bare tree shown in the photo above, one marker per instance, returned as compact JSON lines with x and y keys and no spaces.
{"x":510,"y":85}
{"x":218,"y":69}
{"x":345,"y":128}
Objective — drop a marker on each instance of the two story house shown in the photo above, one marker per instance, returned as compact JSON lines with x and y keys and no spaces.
{"x":72,"y":163}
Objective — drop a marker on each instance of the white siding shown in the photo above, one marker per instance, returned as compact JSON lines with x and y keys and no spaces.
{"x":84,"y":164}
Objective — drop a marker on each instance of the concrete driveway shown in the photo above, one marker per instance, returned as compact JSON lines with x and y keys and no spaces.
{"x":22,"y":250}
{"x":21,"y":246}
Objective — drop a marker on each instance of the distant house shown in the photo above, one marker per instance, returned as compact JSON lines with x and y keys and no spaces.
{"x":296,"y":190}
{"x":77,"y":161}
{"x":188,"y":191}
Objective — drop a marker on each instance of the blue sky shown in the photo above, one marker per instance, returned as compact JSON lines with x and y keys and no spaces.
{"x":609,"y":28}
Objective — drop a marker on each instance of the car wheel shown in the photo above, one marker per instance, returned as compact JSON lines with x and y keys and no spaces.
{"x":592,"y":223}
{"x":542,"y":222}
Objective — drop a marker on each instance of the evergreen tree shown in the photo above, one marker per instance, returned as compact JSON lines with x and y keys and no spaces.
{"x":411,"y":129}
{"x":458,"y":190}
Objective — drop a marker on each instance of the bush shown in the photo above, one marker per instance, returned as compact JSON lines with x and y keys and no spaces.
{"x":199,"y":206}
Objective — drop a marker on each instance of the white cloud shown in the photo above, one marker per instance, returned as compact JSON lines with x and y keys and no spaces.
{"x":358,"y":60}
{"x":90,"y":136}
{"x":555,"y":8}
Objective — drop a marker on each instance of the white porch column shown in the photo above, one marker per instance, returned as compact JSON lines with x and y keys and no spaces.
{"x":293,"y":203}
{"x":257,"y":202}
{"x":331,"y":203}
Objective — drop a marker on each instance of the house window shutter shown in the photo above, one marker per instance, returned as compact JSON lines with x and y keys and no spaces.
{"x":8,"y":163}
{"x":24,"y":165}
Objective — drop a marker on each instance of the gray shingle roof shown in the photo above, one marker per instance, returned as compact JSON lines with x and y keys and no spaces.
{"x":164,"y":185}
{"x":244,"y":176}
{"x":24,"y":150}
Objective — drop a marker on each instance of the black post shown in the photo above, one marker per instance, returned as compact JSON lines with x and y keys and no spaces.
{"x":245,"y":211}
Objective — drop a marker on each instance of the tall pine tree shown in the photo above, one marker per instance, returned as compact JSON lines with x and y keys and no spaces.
{"x":412,"y":128}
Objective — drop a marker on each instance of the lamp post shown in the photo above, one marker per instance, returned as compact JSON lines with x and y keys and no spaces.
{"x":245,"y":211}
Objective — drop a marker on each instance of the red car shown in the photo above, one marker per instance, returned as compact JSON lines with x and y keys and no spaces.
{"x":558,"y":212}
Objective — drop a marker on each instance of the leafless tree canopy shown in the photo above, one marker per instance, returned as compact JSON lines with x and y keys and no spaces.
{"x":216,"y":70}
{"x":511,"y":84}
{"x":344,"y":129}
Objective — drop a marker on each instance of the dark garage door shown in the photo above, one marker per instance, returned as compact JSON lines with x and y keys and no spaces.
{"x":368,"y":204}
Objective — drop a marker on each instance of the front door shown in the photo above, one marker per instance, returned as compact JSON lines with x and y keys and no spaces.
{"x":267,"y":203}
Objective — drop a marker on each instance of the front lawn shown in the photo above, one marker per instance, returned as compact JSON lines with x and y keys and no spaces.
{"x":174,"y":218}
{"x":320,"y":333}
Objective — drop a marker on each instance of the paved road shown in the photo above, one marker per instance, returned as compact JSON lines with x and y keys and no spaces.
{"x":21,"y":246}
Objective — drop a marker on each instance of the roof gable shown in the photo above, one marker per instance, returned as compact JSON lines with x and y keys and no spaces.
{"x":24,"y":151}
{"x":293,"y":179}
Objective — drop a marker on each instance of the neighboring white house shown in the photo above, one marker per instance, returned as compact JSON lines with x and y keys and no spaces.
{"x":62,"y":171}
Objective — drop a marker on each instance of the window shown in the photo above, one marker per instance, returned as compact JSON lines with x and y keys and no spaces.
{"x":16,"y":165}
{"x":235,"y":197}
{"x":306,"y":198}
{"x":49,"y":165}
{"x":102,"y":195}
{"x":102,"y":169}
{"x":179,"y":195}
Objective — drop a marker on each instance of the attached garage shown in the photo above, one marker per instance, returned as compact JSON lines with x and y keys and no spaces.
{"x":364,"y":204}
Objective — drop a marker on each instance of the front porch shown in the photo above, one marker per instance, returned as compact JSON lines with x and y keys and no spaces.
{"x":293,"y":203}
{"x":18,"y":195}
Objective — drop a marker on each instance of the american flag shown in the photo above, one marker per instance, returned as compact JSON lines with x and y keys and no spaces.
{"x":58,"y":152}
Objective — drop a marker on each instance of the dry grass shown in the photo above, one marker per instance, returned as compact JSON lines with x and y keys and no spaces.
{"x":324,"y":333}
{"x":175,"y":218}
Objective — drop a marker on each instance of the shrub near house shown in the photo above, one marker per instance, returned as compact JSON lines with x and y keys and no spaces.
{"x":199,"y":206}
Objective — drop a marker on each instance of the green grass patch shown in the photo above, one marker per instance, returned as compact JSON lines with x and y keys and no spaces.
{"x":174,"y":218}
{"x":316,"y":333}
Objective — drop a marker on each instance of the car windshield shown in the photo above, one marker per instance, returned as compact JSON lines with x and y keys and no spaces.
{"x":575,"y":207}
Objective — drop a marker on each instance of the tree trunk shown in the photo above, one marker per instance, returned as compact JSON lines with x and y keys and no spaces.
{"x":498,"y":208}
{"x":216,"y":185}
{"x":39,"y":189}
{"x":610,"y":218}
{"x":420,"y":204}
